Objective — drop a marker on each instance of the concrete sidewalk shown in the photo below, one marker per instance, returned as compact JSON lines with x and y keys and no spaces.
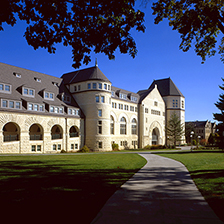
{"x":161,"y":192}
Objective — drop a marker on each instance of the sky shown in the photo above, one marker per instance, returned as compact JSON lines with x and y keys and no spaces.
{"x":158,"y":57}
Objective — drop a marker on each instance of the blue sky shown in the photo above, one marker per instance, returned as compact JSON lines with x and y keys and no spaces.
{"x":158,"y":57}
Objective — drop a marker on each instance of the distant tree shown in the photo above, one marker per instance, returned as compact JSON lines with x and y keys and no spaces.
{"x":220,"y":118}
{"x":174,"y":129}
{"x":85,"y":25}
{"x":212,"y":139}
{"x":198,"y":22}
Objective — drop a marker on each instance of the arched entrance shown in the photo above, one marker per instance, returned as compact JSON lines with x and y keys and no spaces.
{"x":56,"y":132}
{"x":36,"y":132}
{"x":155,"y":136}
{"x":11,"y":132}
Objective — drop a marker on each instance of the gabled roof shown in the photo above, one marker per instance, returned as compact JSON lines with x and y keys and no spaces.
{"x":166,"y":87}
{"x":144,"y":93}
{"x":93,"y":73}
{"x":197,"y":124}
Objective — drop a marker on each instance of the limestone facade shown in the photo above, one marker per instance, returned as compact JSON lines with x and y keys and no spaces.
{"x":46,"y":114}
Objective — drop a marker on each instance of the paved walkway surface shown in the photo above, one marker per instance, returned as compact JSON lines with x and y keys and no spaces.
{"x":161,"y":192}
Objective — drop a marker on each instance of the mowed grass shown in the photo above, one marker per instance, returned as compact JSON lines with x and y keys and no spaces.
{"x":61,"y":188}
{"x":207,"y":171}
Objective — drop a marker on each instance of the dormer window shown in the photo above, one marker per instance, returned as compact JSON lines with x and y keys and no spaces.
{"x":55,"y":84}
{"x":17,"y":75}
{"x":28,"y":92}
{"x":112,"y":93}
{"x":48,"y":96}
{"x":37,"y":79}
{"x":133,"y":98}
{"x":123,"y":96}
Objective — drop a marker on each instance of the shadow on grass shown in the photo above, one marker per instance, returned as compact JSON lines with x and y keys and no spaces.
{"x":37,"y":191}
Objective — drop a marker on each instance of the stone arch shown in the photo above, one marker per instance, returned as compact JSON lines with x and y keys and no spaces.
{"x":56,"y":132}
{"x":155,"y":133}
{"x":36,"y":132}
{"x":73,"y":131}
{"x":11,"y":132}
{"x":123,"y":115}
{"x":114,"y":116}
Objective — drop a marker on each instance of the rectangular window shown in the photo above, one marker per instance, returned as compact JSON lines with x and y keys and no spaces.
{"x":1,"y":87}
{"x":112,"y":93}
{"x":30,"y":106}
{"x":136,"y":109}
{"x":146,"y":110}
{"x":105,"y":86}
{"x":102,"y":99}
{"x":18,"y":105}
{"x":33,"y":148}
{"x":36,"y":107}
{"x":4,"y":103}
{"x":52,"y":109}
{"x":25,"y":91}
{"x":131,"y":108}
{"x":72,"y":146}
{"x":79,"y":87}
{"x":76,"y":146}
{"x":97,"y":99}
{"x":61,"y":110}
{"x":112,"y":104}
{"x":48,"y":96}
{"x":155,"y":103}
{"x":11,"y":104}
{"x":51,"y":96}
{"x":7,"y":88}
{"x":38,"y":148}
{"x":100,"y":85}
{"x":56,"y":110}
{"x":100,"y":113}
{"x":94,"y":85}
{"x":100,"y":145}
{"x":108,"y":87}
{"x":89,"y":85}
{"x":59,"y":146}
{"x":54,"y":147}
{"x":182,"y":104}
{"x":41,"y":107}
{"x":31,"y":92}
{"x":75,"y":88}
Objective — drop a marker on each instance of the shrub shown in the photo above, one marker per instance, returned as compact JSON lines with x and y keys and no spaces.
{"x":203,"y":142}
{"x":115,"y":147}
{"x":84,"y":149}
{"x":194,"y":142}
{"x":147,"y":147}
{"x":63,"y":151}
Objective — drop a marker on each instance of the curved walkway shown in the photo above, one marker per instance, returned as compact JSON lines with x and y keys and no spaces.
{"x":161,"y":192}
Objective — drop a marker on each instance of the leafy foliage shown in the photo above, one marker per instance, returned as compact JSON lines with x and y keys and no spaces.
{"x":174,"y":129}
{"x":198,"y":22}
{"x":85,"y":25}
{"x":84,"y":149}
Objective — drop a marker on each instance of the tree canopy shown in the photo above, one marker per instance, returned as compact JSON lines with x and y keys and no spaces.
{"x":101,"y":26}
{"x":198,"y":22}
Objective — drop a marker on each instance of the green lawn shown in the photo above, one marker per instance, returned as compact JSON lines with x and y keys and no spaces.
{"x":207,"y":171}
{"x":58,"y":188}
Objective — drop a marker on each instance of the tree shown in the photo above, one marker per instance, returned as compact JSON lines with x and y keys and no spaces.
{"x":220,"y":118}
{"x":198,"y":22}
{"x":85,"y":25}
{"x":174,"y":129}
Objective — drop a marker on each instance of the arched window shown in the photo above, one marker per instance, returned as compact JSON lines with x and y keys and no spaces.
{"x":134,"y":127}
{"x":36,"y":132}
{"x":73,"y":132}
{"x":56,"y":132}
{"x":111,"y":125}
{"x":11,"y":132}
{"x":123,"y":126}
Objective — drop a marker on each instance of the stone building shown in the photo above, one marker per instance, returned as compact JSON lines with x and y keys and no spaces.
{"x":44,"y":114}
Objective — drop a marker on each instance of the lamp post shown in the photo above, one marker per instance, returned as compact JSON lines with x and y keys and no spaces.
{"x":192,"y":133}
{"x":198,"y":140}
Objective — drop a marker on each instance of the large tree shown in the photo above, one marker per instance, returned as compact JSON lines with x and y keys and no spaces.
{"x":174,"y":129}
{"x":85,"y":25}
{"x":220,"y":117}
{"x":198,"y":21}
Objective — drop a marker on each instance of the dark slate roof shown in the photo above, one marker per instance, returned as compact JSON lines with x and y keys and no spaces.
{"x":117,"y":91}
{"x":166,"y":87}
{"x":197,"y":124}
{"x":28,"y":80}
{"x":93,"y":73}
{"x":144,"y":93}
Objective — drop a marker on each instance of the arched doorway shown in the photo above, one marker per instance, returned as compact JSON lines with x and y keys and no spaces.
{"x":56,"y":132}
{"x":11,"y":132}
{"x":73,"y":132}
{"x":36,"y":132}
{"x":155,"y":136}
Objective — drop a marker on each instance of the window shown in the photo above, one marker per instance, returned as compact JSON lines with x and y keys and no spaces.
{"x":97,"y":99}
{"x":76,"y":146}
{"x":155,"y":112}
{"x":146,"y":110}
{"x":17,"y":75}
{"x":89,"y":85}
{"x":132,"y":108}
{"x":28,"y":92}
{"x":112,"y":93}
{"x":5,"y":88}
{"x":54,"y":109}
{"x":33,"y":148}
{"x":30,"y":106}
{"x":182,"y":104}
{"x":75,"y":89}
{"x":155,"y":103}
{"x":100,"y":85}
{"x":123,"y":96}
{"x":108,"y":87}
{"x":94,"y":85}
{"x":37,"y":79}
{"x":105,"y":86}
{"x":36,"y":107}
{"x":79,"y":87}
{"x":18,"y":105}
{"x":111,"y":125}
{"x":121,"y":106}
{"x":11,"y":104}
{"x":123,"y":126}
{"x":100,"y":113}
{"x":59,"y":146}
{"x":38,"y":148}
{"x":54,"y":147}
{"x":99,"y":127}
{"x":136,"y":109}
{"x":134,"y":127}
{"x":102,"y":99}
{"x":100,"y":145}
{"x":175,"y":103}
{"x":126,"y":107}
{"x":72,"y":146}
{"x":133,"y":98}
{"x":48,"y":96}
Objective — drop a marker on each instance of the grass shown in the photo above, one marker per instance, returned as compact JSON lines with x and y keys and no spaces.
{"x":207,"y":171}
{"x":61,"y":188}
